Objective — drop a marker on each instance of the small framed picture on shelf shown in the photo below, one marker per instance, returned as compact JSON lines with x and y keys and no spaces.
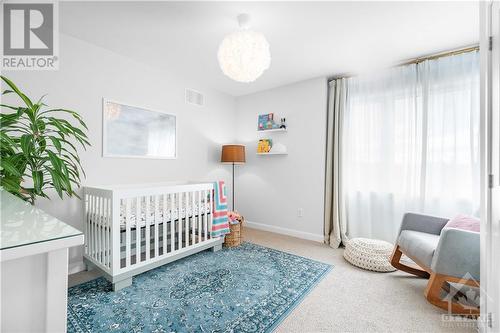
{"x":266,"y":121}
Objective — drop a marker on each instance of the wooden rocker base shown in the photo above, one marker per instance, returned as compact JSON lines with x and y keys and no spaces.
{"x":395,"y":261}
{"x":437,"y":282}
{"x":432,"y":293}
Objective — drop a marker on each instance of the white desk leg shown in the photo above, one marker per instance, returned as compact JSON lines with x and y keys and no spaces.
{"x":57,"y":290}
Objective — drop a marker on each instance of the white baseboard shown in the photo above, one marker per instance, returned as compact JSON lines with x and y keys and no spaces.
{"x":285,"y":231}
{"x":76,"y":267}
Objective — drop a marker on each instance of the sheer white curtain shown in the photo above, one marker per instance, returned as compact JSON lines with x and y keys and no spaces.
{"x":411,"y":143}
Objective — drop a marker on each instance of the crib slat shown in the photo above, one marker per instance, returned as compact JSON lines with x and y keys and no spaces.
{"x":186,"y":225}
{"x":96,"y":224}
{"x":179,"y":209}
{"x":127,"y":232}
{"x":205,"y":196}
{"x":193,"y":216}
{"x":165,"y":224}
{"x":86,"y":227}
{"x":172,"y":223}
{"x":91,"y":220}
{"x":146,"y":219}
{"x":96,"y":229}
{"x":137,"y":230}
{"x":102,"y":230}
{"x":107,"y":230}
{"x":99,"y":229}
{"x":93,"y":226}
{"x":156,"y":217}
{"x":210,"y":217}
{"x":198,"y":217}
{"x":115,"y":233}
{"x":186,"y":230}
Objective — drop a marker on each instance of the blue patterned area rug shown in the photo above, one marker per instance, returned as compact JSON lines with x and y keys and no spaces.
{"x":244,"y":289}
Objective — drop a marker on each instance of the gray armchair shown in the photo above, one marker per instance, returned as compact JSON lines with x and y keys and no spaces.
{"x":443,"y":255}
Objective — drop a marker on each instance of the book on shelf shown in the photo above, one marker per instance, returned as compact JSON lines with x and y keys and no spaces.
{"x":264,"y":145}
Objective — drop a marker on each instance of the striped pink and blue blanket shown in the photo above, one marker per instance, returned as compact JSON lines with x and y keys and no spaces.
{"x":220,"y":222}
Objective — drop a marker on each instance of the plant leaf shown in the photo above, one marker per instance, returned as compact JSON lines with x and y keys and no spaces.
{"x":11,"y":84}
{"x":56,"y":143}
{"x":11,"y":184}
{"x":55,"y":181}
{"x":26,"y":143}
{"x":73,"y":113}
{"x":9,"y":107}
{"x":7,"y":165}
{"x":37,"y":181}
{"x":42,"y":144}
{"x":6,"y":139}
{"x":54,"y":160}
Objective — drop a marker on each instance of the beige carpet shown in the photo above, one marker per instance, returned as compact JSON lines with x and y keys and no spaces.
{"x":349,"y":299}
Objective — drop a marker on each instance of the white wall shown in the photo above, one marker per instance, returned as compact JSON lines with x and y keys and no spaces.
{"x":88,"y":73}
{"x":271,"y":189}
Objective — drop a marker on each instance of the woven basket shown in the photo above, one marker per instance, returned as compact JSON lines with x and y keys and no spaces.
{"x":235,"y":237}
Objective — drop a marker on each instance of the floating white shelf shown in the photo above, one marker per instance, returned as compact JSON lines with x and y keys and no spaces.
{"x":272,"y":130}
{"x":271,"y":153}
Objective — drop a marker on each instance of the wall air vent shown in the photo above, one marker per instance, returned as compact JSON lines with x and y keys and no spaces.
{"x":194,"y":97}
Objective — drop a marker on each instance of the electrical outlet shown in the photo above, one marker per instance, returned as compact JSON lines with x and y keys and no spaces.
{"x":300,"y":212}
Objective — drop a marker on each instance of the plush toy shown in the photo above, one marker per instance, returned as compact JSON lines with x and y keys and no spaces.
{"x":234,"y":217}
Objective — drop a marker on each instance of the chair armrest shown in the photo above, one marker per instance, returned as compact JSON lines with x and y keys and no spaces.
{"x":422,"y":223}
{"x":457,"y":253}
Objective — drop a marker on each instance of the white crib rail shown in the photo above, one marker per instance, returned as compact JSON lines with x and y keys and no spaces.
{"x":98,"y":220}
{"x":128,"y":228}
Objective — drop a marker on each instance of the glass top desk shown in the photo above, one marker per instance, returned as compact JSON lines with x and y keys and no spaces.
{"x":23,"y":224}
{"x":33,"y":267}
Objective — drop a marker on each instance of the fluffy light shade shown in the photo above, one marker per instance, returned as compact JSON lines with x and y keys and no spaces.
{"x":244,"y":55}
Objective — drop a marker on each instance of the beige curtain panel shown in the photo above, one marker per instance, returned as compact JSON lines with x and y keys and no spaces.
{"x":335,"y":222}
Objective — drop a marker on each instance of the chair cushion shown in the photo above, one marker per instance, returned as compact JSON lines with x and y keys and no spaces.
{"x":464,"y":222}
{"x":418,"y":245}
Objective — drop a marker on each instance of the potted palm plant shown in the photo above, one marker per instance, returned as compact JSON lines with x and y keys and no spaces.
{"x":39,"y":148}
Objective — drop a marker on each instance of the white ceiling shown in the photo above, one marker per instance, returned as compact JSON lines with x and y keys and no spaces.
{"x":308,"y":39}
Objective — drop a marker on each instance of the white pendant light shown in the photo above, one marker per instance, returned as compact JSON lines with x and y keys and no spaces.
{"x":244,"y":55}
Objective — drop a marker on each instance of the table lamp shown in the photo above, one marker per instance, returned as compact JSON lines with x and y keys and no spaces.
{"x":234,"y":154}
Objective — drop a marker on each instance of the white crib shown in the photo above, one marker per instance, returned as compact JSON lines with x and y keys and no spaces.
{"x":132,"y":229}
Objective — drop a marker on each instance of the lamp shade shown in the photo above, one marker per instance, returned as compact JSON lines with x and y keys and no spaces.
{"x":233,"y":154}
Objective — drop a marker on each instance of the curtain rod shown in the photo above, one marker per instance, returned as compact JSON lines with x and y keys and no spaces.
{"x":421,"y":59}
{"x":441,"y":55}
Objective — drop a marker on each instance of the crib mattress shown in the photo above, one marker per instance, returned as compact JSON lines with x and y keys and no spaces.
{"x":163,"y":216}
